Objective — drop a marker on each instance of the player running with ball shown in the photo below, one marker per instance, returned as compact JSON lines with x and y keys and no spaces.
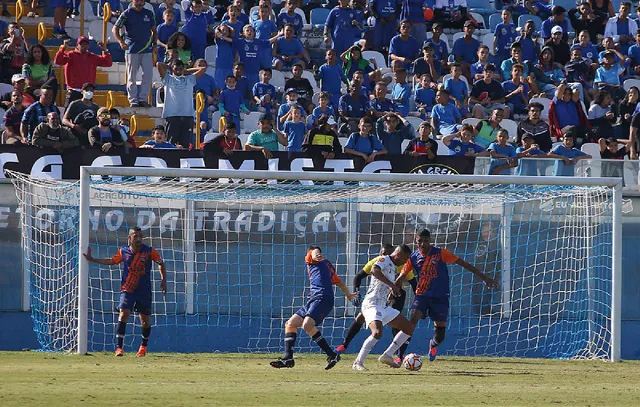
{"x":322,"y":277}
{"x":136,"y":284}
{"x":432,"y":295}
{"x":376,"y":312}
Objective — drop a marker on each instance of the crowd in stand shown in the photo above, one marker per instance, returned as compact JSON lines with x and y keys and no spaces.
{"x":575,"y":62}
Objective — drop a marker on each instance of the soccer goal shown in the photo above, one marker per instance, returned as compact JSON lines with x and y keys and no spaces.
{"x":234,"y":245}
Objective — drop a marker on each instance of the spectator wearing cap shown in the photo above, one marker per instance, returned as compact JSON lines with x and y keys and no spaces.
{"x":322,"y":140}
{"x":12,"y":119}
{"x":178,"y":109}
{"x":12,"y":52}
{"x":428,"y":64}
{"x":487,"y":94}
{"x":608,"y":75}
{"x":452,"y":14}
{"x":560,"y":48}
{"x":138,"y":43}
{"x":80,"y":66}
{"x":81,"y":115}
{"x":291,"y":100}
{"x":440,"y":47}
{"x":566,"y":110}
{"x":19,"y":84}
{"x":393,"y":129}
{"x":52,"y":135}
{"x":557,"y":19}
{"x":38,"y":71}
{"x":536,"y":128}
{"x":404,"y":48}
{"x":465,"y":49}
{"x":105,"y":136}
{"x":584,"y":19}
{"x":622,"y":28}
{"x":37,"y":113}
{"x":266,"y":138}
{"x":567,"y":154}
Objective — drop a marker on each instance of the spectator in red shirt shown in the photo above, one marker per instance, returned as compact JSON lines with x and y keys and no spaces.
{"x":12,"y":52}
{"x":224,"y":143}
{"x":80,"y":66}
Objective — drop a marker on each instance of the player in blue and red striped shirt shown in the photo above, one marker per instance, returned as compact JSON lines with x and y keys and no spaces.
{"x":136,"y":284}
{"x":322,"y":277}
{"x":432,"y":295}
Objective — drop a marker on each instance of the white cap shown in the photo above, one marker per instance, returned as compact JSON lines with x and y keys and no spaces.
{"x":556,"y":29}
{"x":331,"y":121}
{"x":18,"y":77}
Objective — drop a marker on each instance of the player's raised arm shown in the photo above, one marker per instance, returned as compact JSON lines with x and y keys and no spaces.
{"x":350,"y":296}
{"x":105,"y":262}
{"x":490,"y":282}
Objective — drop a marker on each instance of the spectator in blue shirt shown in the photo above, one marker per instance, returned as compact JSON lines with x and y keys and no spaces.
{"x":404,"y":48}
{"x":608,"y":75}
{"x":265,"y":29}
{"x":167,"y":5}
{"x":288,"y":50}
{"x":159,"y":139}
{"x":224,"y":53}
{"x":232,"y":102}
{"x":165,"y":31}
{"x":505,"y":35}
{"x":458,"y":90}
{"x":503,"y":155}
{"x":365,"y":143}
{"x":465,"y":145}
{"x":424,"y":96}
{"x":392,"y":129}
{"x":634,"y":55}
{"x":401,"y":93}
{"x":207,"y":85}
{"x":528,"y":41}
{"x":527,"y":154}
{"x":465,"y":49}
{"x":380,"y":105}
{"x":413,"y":12}
{"x":567,"y":154}
{"x":331,"y":78}
{"x":477,"y":68}
{"x":439,"y":46}
{"x":288,"y":15}
{"x":589,"y":50}
{"x":264,"y":93}
{"x":516,"y":91}
{"x":557,"y":19}
{"x":444,"y":115}
{"x":340,"y":27}
{"x":352,"y":107}
{"x":385,"y":14}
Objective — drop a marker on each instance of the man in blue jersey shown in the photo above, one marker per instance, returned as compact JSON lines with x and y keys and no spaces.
{"x":322,"y":277}
{"x":136,"y":284}
{"x":432,"y":295}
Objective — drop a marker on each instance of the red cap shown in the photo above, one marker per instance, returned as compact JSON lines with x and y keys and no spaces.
{"x":81,"y":39}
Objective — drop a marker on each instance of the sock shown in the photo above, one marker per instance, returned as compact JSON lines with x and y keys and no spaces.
{"x":398,"y":340}
{"x":352,"y":332}
{"x":317,"y":338}
{"x":122,"y":328}
{"x":368,"y":344}
{"x":438,"y":336}
{"x":289,"y":342}
{"x":403,"y":348}
{"x":145,"y":335}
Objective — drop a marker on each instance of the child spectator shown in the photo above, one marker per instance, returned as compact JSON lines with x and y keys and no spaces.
{"x":327,"y":144}
{"x":224,"y":53}
{"x":303,"y":88}
{"x":401,"y":93}
{"x":171,"y":7}
{"x":628,"y":108}
{"x":428,"y":64}
{"x":458,"y":90}
{"x":557,"y":19}
{"x":483,"y":59}
{"x":424,"y":96}
{"x":249,"y":51}
{"x":295,"y":131}
{"x":505,"y":35}
{"x":265,"y":29}
{"x":289,"y":16}
{"x":527,"y":164}
{"x":535,"y":127}
{"x":331,"y":78}
{"x":404,"y":48}
{"x":516,"y":91}
{"x":465,"y":49}
{"x":353,"y":62}
{"x":601,"y":115}
{"x":352,"y":108}
{"x":528,"y":41}
{"x":634,"y":56}
{"x":284,"y":112}
{"x":165,"y":31}
{"x":242,"y":83}
{"x":516,"y":58}
{"x":323,"y":108}
{"x":264,"y":93}
{"x":445,"y":116}
{"x":380,"y":105}
{"x":486,"y":131}
{"x":266,"y":139}
{"x":567,"y":154}
{"x":503,"y":155}
{"x":392,"y":130}
{"x":196,"y":23}
{"x":589,"y":50}
{"x":548,"y":73}
{"x":364,"y":143}
{"x":465,"y":146}
{"x":608,"y":75}
{"x":609,"y":151}
{"x":224,"y":143}
{"x":384,"y":12}
{"x":232,"y":102}
{"x":487,"y":94}
{"x":233,"y":18}
{"x":242,"y":17}
{"x":159,"y":139}
{"x":578,"y":70}
{"x":288,"y":50}
{"x":440,"y":47}
{"x":182,"y":44}
{"x":423,"y":145}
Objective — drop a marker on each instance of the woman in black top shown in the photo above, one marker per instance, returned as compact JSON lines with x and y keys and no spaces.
{"x":604,"y":10}
{"x":627,"y":108}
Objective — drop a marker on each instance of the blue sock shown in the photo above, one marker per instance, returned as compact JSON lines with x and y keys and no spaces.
{"x":55,"y":29}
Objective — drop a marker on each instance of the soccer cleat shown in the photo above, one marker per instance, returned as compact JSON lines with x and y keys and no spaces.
{"x":397,"y":359}
{"x":340,"y":349}
{"x":359,"y":367}
{"x":332,"y":361}
{"x":142,"y":352}
{"x":280,"y":363}
{"x":388,"y":360}
{"x":433,"y":350}
{"x":119,"y":352}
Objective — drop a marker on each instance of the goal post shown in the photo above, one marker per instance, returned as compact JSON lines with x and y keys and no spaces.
{"x":236,"y":253}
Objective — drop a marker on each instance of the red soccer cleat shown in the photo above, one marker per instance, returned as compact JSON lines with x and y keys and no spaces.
{"x":142,"y":352}
{"x":119,"y":352}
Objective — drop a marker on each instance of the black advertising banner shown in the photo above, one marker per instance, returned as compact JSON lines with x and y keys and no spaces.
{"x":52,"y":164}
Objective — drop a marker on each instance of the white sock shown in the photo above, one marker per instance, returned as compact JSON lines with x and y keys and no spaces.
{"x":368,"y":344}
{"x":399,"y":339}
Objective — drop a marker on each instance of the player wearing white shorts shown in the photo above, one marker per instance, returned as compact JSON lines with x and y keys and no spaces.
{"x":376,"y":312}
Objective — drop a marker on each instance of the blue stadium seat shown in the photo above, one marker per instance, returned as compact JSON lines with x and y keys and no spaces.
{"x":536,"y":20}
{"x":481,"y":7}
{"x":494,"y":20}
{"x":319,"y":16}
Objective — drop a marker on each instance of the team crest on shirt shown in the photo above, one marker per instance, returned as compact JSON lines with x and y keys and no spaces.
{"x":146,"y":19}
{"x":504,"y":31}
{"x":246,"y":47}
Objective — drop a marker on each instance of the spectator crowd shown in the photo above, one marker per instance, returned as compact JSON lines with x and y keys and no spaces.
{"x":559,"y":75}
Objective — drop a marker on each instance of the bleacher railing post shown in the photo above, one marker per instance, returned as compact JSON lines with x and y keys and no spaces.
{"x":199,"y":109}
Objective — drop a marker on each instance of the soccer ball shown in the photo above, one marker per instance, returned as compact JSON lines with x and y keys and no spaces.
{"x":412,"y":362}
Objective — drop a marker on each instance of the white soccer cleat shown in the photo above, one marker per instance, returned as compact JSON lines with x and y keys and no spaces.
{"x":359,"y":367}
{"x":388,"y":360}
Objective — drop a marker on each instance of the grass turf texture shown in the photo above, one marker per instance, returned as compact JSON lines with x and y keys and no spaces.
{"x":33,"y":378}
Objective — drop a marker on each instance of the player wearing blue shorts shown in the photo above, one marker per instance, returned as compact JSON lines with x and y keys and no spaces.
{"x":322,"y":277}
{"x":432,"y":295}
{"x":136,"y":284}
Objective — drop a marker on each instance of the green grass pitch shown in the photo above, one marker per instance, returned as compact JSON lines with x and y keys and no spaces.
{"x":33,"y":378}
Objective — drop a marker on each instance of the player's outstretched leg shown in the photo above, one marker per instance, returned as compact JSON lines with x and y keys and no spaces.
{"x":145,"y":320}
{"x":406,"y":330}
{"x":121,"y":330}
{"x":309,"y":326}
{"x":355,"y":327}
{"x":376,"y":333}
{"x":438,"y":338}
{"x":290,"y":334}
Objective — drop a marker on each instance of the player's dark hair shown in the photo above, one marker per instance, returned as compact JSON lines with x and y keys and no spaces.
{"x":386,"y":247}
{"x":314,"y":247}
{"x":424,"y":233}
{"x":405,"y":248}
{"x":135,"y":229}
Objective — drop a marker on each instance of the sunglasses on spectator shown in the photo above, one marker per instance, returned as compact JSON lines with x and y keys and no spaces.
{"x":105,"y":116}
